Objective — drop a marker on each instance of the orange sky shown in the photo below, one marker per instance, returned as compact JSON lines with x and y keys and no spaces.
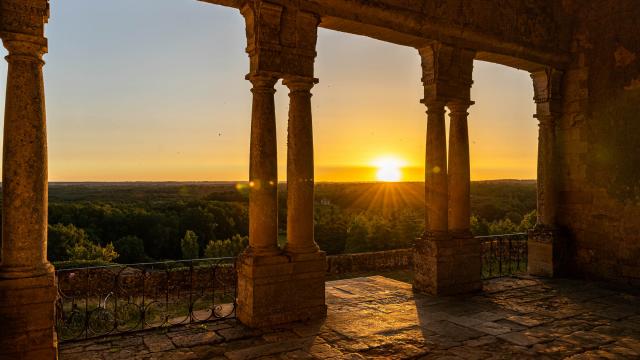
{"x":162,"y":96}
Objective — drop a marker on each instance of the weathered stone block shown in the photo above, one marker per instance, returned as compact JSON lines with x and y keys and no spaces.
{"x":280,"y":289}
{"x":546,"y":252}
{"x":27,"y":318}
{"x":370,"y":261}
{"x":445,"y":265}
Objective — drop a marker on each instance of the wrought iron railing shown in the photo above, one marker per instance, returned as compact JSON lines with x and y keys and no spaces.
{"x":503,"y":255}
{"x":106,"y":300}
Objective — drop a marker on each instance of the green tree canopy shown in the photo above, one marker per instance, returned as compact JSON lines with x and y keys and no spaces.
{"x":226,"y":248}
{"x":69,"y":243}
{"x":189,"y":245}
{"x":131,"y":249}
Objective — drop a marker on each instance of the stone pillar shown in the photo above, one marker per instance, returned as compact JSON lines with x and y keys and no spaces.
{"x":467,"y":260}
{"x":546,"y":251}
{"x":300,"y":174}
{"x":459,"y":170}
{"x":447,"y":259}
{"x":428,"y":276}
{"x":436,"y":192}
{"x":263,"y":169}
{"x":27,"y":279}
{"x":274,"y":286}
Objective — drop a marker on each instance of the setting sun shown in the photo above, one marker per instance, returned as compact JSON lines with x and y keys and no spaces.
{"x":389,"y":169}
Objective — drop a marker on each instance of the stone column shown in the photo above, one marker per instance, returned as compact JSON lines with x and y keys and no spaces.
{"x":300,"y":177}
{"x":276,"y":287}
{"x":459,"y":170}
{"x":547,"y":192}
{"x":436,"y":192}
{"x":447,"y":258}
{"x":545,"y":248}
{"x":427,"y":257}
{"x":27,"y":286}
{"x":263,"y":169}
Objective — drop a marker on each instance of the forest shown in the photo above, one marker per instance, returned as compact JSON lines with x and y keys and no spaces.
{"x":99,"y":223}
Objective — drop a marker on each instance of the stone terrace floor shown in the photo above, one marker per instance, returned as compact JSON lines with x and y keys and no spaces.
{"x":379,"y":318}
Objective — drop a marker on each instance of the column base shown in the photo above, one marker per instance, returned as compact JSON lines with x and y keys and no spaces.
{"x":545,"y":255}
{"x":27,"y":315}
{"x":447,"y":264}
{"x":281,"y":289}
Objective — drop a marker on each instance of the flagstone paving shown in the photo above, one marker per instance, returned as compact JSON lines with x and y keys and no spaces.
{"x":379,"y":318}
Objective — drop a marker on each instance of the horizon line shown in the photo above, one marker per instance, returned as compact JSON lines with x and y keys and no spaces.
{"x":247,"y":181}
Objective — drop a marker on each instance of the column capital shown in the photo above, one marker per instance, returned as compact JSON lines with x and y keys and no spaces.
{"x":459,"y":107}
{"x":299,"y":83}
{"x":546,"y":120}
{"x":263,"y":82}
{"x":25,"y":47}
{"x":547,"y":85}
{"x":447,"y":71}
{"x":434,"y":106}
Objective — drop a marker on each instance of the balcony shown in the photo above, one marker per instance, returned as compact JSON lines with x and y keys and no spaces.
{"x":377,"y":317}
{"x":186,"y":310}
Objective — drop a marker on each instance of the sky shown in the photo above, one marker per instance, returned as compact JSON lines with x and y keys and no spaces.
{"x":154,"y":90}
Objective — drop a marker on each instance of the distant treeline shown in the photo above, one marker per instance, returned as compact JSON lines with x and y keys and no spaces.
{"x":134,"y":222}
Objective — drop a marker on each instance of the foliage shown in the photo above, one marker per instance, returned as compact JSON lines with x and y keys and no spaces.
{"x":364,"y":231}
{"x":131,"y":249}
{"x":69,"y":243}
{"x":481,"y":227}
{"x":330,"y":229}
{"x":72,"y":264}
{"x":62,"y":237}
{"x":89,"y":251}
{"x":189,"y":245}
{"x":149,"y":220}
{"x":226,"y":248}
{"x":159,"y":224}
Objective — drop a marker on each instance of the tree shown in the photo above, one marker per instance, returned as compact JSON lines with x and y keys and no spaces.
{"x":380,"y":234}
{"x":407,"y":227}
{"x":330,"y":229}
{"x":189,"y":245}
{"x":226,"y":248}
{"x":69,"y":243}
{"x":131,"y":249}
{"x":528,"y":221}
{"x":502,"y":227}
{"x":88,"y":251}
{"x":479,"y":227}
{"x":62,"y":237}
{"x":357,"y":235}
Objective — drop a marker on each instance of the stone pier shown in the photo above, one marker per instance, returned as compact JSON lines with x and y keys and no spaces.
{"x":27,"y":280}
{"x":276,"y":285}
{"x":546,"y":250}
{"x":448,"y":257}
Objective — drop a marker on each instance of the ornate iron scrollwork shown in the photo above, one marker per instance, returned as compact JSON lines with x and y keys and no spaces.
{"x":107,"y":300}
{"x":503,"y":255}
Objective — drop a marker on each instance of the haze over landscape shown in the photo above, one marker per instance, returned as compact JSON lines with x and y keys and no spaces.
{"x":162,"y":97}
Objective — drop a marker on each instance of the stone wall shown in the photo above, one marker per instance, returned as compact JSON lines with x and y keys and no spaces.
{"x":599,"y":143}
{"x":371,"y":261}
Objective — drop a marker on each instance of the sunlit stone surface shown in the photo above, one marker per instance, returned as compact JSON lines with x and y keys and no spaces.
{"x":376,"y":317}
